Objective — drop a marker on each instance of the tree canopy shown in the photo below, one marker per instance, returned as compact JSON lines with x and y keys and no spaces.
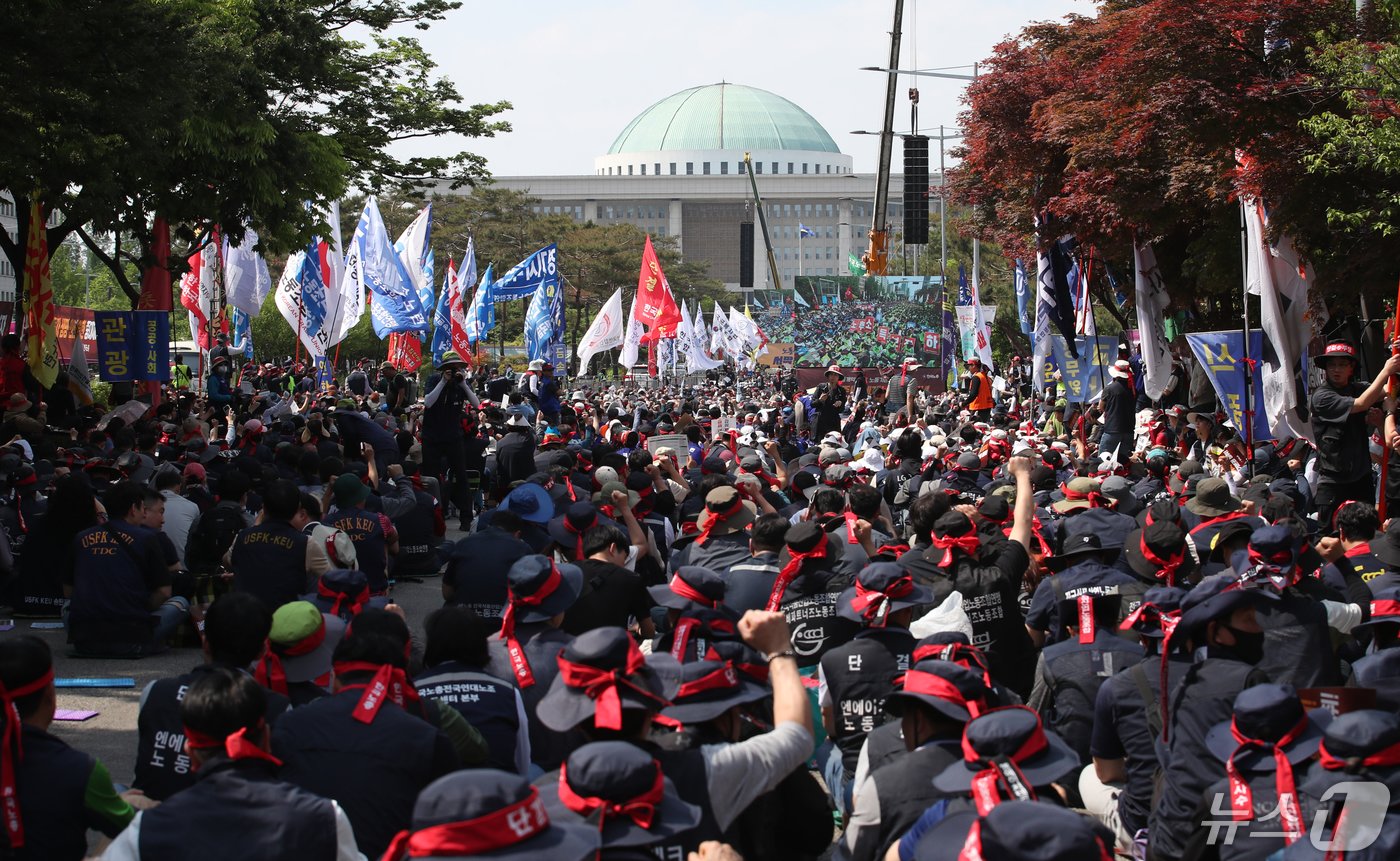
{"x":218,"y":113}
{"x":1136,"y":122}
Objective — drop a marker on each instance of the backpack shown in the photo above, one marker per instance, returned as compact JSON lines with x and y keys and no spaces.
{"x":211,"y":537}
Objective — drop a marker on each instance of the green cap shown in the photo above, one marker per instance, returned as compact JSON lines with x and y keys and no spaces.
{"x":349,"y":490}
{"x":294,"y":622}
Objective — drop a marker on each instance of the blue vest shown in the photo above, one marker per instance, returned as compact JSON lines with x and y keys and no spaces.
{"x":239,"y":810}
{"x":1073,"y":672}
{"x":371,"y":549}
{"x":111,"y":601}
{"x":52,"y":779}
{"x":487,"y":703}
{"x":269,"y":562}
{"x":417,"y":543}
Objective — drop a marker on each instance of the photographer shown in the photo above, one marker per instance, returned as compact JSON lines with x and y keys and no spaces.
{"x":448,"y":394}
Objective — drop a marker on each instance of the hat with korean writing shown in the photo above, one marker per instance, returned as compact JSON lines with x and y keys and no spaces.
{"x":1013,"y":737}
{"x":485,"y":813}
{"x":1339,"y":349}
{"x":618,"y":789}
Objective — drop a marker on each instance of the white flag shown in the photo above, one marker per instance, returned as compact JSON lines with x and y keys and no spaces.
{"x":692,"y":342}
{"x":246,"y":279}
{"x":1152,"y":301}
{"x":605,"y":332}
{"x":632,"y":340}
{"x":718,"y":326}
{"x":1041,"y":342}
{"x":1281,"y":279}
{"x":982,"y":330}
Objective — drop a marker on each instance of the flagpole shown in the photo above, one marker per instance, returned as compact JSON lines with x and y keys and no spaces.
{"x":1248,"y":361}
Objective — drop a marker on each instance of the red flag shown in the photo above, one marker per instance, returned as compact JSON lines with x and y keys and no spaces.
{"x":405,"y":351}
{"x":655,"y":305}
{"x":155,"y":281}
{"x":651,"y":359}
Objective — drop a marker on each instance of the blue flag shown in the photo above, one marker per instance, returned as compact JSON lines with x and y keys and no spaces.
{"x":1025,"y":306}
{"x":1085,"y":369}
{"x":442,"y":315}
{"x":1062,"y":264}
{"x":325,"y":374}
{"x":544,"y":320}
{"x":804,"y":230}
{"x":396,"y":306}
{"x":242,"y":333}
{"x":525,"y":277}
{"x":313,"y":291}
{"x":1222,"y":356}
{"x":481,"y":316}
{"x":425,"y":292}
{"x":964,"y":289}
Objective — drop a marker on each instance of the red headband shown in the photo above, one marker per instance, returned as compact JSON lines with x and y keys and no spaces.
{"x":1386,"y":757}
{"x":389,"y":682}
{"x":519,"y":664}
{"x":338,"y":599}
{"x":948,"y":543}
{"x":874,"y":605}
{"x":236,"y":745}
{"x":934,"y":685}
{"x":1095,"y":498}
{"x":600,"y":685}
{"x":509,"y":826}
{"x":641,"y":809}
{"x":269,"y":672}
{"x":716,"y":517}
{"x":690,"y":593}
{"x":1242,"y":799}
{"x":724,"y":678}
{"x":791,"y":570}
{"x":12,"y":751}
{"x":1384,"y":608}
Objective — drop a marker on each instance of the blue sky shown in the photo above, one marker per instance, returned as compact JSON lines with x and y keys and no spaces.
{"x":578,"y":71}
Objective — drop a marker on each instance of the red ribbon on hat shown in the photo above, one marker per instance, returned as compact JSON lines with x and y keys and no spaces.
{"x":12,"y":751}
{"x":338,"y":599}
{"x":1242,"y":799}
{"x":1166,"y":568}
{"x":1087,"y":626}
{"x":640,"y":809}
{"x":1386,"y":757}
{"x":578,"y":533}
{"x":1169,"y":619}
{"x":519,"y":664}
{"x":601,"y":685}
{"x":717,"y":516}
{"x":790,"y":571}
{"x":964,"y":655}
{"x":389,"y":683}
{"x":934,"y":685}
{"x":270,"y":672}
{"x":1003,"y":771}
{"x":680,"y":637}
{"x":851,"y":527}
{"x":1096,"y":499}
{"x":873,"y":604}
{"x":690,"y":593}
{"x":948,"y":543}
{"x":1385,"y":608}
{"x":236,"y":745}
{"x":500,"y":829}
{"x":724,"y":678}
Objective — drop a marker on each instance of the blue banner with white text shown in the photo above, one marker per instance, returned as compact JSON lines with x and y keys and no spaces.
{"x":132,"y":346}
{"x":1222,"y":356}
{"x":1084,"y":376}
{"x":525,"y":277}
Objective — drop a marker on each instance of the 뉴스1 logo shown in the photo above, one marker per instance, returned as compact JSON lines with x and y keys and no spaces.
{"x":1356,"y":808}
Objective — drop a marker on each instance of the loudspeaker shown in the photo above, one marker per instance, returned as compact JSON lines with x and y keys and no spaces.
{"x":746,"y":256}
{"x":915,"y":189}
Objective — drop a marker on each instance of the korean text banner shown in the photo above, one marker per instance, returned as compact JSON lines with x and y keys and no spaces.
{"x":525,"y":277}
{"x":1222,"y":355}
{"x":133,"y":345}
{"x":1084,"y":377}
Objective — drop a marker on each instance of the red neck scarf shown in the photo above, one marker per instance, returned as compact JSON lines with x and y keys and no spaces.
{"x":519,"y":664}
{"x":1168,"y":567}
{"x":717,"y":516}
{"x":601,"y":685}
{"x":389,"y":682}
{"x":12,"y":751}
{"x":343,"y":600}
{"x":791,"y":570}
{"x":641,"y":809}
{"x":1003,"y":772}
{"x":1242,"y":799}
{"x":948,"y":543}
{"x":237,"y":745}
{"x":510,"y":826}
{"x":874,"y":606}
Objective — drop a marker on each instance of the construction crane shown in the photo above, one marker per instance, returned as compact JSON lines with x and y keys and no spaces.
{"x":877,"y":255}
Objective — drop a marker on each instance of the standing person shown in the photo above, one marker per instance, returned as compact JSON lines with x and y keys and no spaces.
{"x":11,"y":367}
{"x":1338,"y":409}
{"x":358,"y":380}
{"x":217,"y":388}
{"x":394,"y":387}
{"x":830,"y":401}
{"x":899,"y":388}
{"x":979,"y":399}
{"x":1118,"y":403}
{"x":443,"y":439}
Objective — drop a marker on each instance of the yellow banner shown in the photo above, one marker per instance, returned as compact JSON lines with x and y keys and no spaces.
{"x":38,"y":300}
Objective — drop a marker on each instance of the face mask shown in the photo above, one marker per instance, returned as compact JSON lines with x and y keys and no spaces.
{"x":1249,"y":645}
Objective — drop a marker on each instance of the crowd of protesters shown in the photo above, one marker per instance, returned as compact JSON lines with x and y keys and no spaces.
{"x":713,"y":620}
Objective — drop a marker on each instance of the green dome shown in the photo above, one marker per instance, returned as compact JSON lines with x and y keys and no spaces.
{"x":723,"y":117}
